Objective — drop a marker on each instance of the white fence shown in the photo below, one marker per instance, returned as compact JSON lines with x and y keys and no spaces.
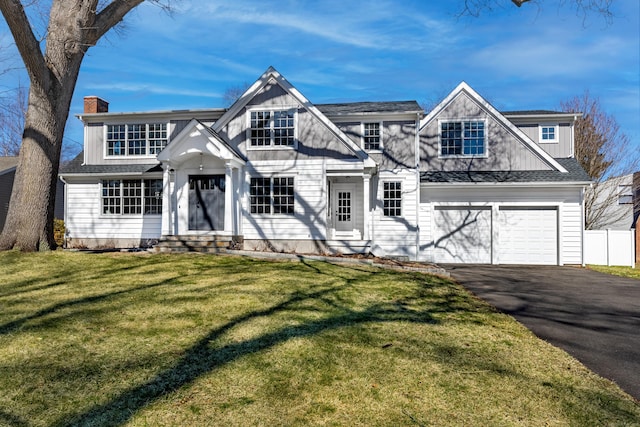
{"x":609,"y":247}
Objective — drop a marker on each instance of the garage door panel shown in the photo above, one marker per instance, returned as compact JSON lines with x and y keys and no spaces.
{"x":462,"y":235}
{"x":528,"y":235}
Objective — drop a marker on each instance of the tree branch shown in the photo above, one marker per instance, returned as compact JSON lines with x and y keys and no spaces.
{"x":111,"y":15}
{"x":27,"y":44}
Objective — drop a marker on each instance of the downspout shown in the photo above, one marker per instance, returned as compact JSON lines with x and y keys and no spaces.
{"x":64,"y":202}
{"x":417,"y":170}
{"x":583,"y":223}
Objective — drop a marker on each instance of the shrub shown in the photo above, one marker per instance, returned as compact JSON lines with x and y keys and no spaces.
{"x":58,"y":232}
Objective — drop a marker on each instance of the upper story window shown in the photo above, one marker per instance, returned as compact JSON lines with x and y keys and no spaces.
{"x":625,"y":194}
{"x":273,"y":128}
{"x":462,"y":138}
{"x":372,"y":136}
{"x":548,"y":133}
{"x":137,"y":139}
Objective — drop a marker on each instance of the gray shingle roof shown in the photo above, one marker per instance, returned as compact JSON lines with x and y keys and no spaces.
{"x":75,"y":166}
{"x":575,"y":174}
{"x":531,"y":112}
{"x":369,"y":107}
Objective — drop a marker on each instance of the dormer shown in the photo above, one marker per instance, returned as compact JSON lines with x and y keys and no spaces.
{"x":553,"y":131}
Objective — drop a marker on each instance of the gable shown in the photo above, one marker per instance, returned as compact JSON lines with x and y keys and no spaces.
{"x":317,"y":137}
{"x":195,"y":139}
{"x":506,"y":147}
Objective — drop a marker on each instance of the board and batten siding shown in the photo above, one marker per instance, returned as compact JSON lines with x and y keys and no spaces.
{"x":396,"y":236}
{"x":560,"y":149}
{"x":315,"y":140}
{"x":309,"y":221}
{"x":398,"y":142}
{"x":504,"y":150}
{"x":84,"y":219}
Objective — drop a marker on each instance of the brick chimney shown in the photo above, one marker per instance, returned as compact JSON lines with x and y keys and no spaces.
{"x":93,"y":104}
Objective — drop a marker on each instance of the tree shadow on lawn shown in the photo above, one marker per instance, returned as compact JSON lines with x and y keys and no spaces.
{"x":203,"y":357}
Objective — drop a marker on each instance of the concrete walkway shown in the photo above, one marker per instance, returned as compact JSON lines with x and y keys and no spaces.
{"x":595,"y":317}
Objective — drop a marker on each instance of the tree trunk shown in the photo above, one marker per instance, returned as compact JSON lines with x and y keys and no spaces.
{"x":73,"y":27}
{"x":29,"y":223}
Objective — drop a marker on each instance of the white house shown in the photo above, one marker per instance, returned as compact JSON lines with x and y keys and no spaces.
{"x":465,"y":183}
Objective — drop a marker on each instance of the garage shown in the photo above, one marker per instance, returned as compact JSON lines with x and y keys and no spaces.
{"x":462,"y":235}
{"x":528,"y":235}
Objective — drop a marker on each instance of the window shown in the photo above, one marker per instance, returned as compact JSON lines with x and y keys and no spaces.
{"x":465,"y":138}
{"x":371,"y":136}
{"x":136,"y":139}
{"x":260,"y":193}
{"x":272,"y":128}
{"x":111,"y":201}
{"x":283,"y":196}
{"x":131,"y":197}
{"x":548,"y":133}
{"x":392,"y":198}
{"x":116,"y":141}
{"x":125,"y":197}
{"x":269,"y":195}
{"x":152,"y":196}
{"x":625,"y":195}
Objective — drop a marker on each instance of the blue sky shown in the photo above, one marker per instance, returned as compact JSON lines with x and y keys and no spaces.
{"x":531,"y":57}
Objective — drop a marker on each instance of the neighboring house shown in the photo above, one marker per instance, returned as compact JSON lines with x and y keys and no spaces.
{"x":7,"y":174}
{"x":465,"y":183}
{"x":613,"y":204}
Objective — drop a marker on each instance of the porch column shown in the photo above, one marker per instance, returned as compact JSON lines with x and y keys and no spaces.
{"x":366,"y":179}
{"x":228,"y":197}
{"x":167,"y":226}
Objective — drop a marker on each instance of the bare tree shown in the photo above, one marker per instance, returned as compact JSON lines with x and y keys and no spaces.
{"x":13,"y":109}
{"x":608,"y":157}
{"x":582,"y":8}
{"x":233,"y":93}
{"x":73,"y":27}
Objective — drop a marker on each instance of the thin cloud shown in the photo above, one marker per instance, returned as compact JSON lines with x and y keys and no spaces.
{"x":147,"y":88}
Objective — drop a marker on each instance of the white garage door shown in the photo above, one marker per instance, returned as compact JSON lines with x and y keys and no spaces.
{"x":462,"y":235}
{"x":528,"y":235}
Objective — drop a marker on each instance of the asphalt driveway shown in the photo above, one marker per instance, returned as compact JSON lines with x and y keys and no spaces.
{"x":595,"y":317}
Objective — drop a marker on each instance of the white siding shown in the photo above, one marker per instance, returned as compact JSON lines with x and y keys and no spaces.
{"x":309,"y":221}
{"x":396,"y":236}
{"x":84,"y":220}
{"x":571,"y":226}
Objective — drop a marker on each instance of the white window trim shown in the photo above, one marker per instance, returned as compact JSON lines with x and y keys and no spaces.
{"x":625,"y":190}
{"x":126,"y":155}
{"x":556,"y":131}
{"x":463,"y":156}
{"x":271,"y":146}
{"x":272,"y":214}
{"x":104,"y":215}
{"x":402,"y":201}
{"x":381,"y":125}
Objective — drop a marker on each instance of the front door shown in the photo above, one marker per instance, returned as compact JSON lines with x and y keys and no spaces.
{"x":206,"y":202}
{"x":343,"y":207}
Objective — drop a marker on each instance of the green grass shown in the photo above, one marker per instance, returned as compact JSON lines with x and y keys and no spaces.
{"x":633,"y":273}
{"x":151,"y":340}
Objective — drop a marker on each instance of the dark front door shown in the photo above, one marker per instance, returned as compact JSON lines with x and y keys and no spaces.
{"x":206,"y":202}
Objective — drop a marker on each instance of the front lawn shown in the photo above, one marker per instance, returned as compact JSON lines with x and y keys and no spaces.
{"x":149,"y":340}
{"x":633,"y":273}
